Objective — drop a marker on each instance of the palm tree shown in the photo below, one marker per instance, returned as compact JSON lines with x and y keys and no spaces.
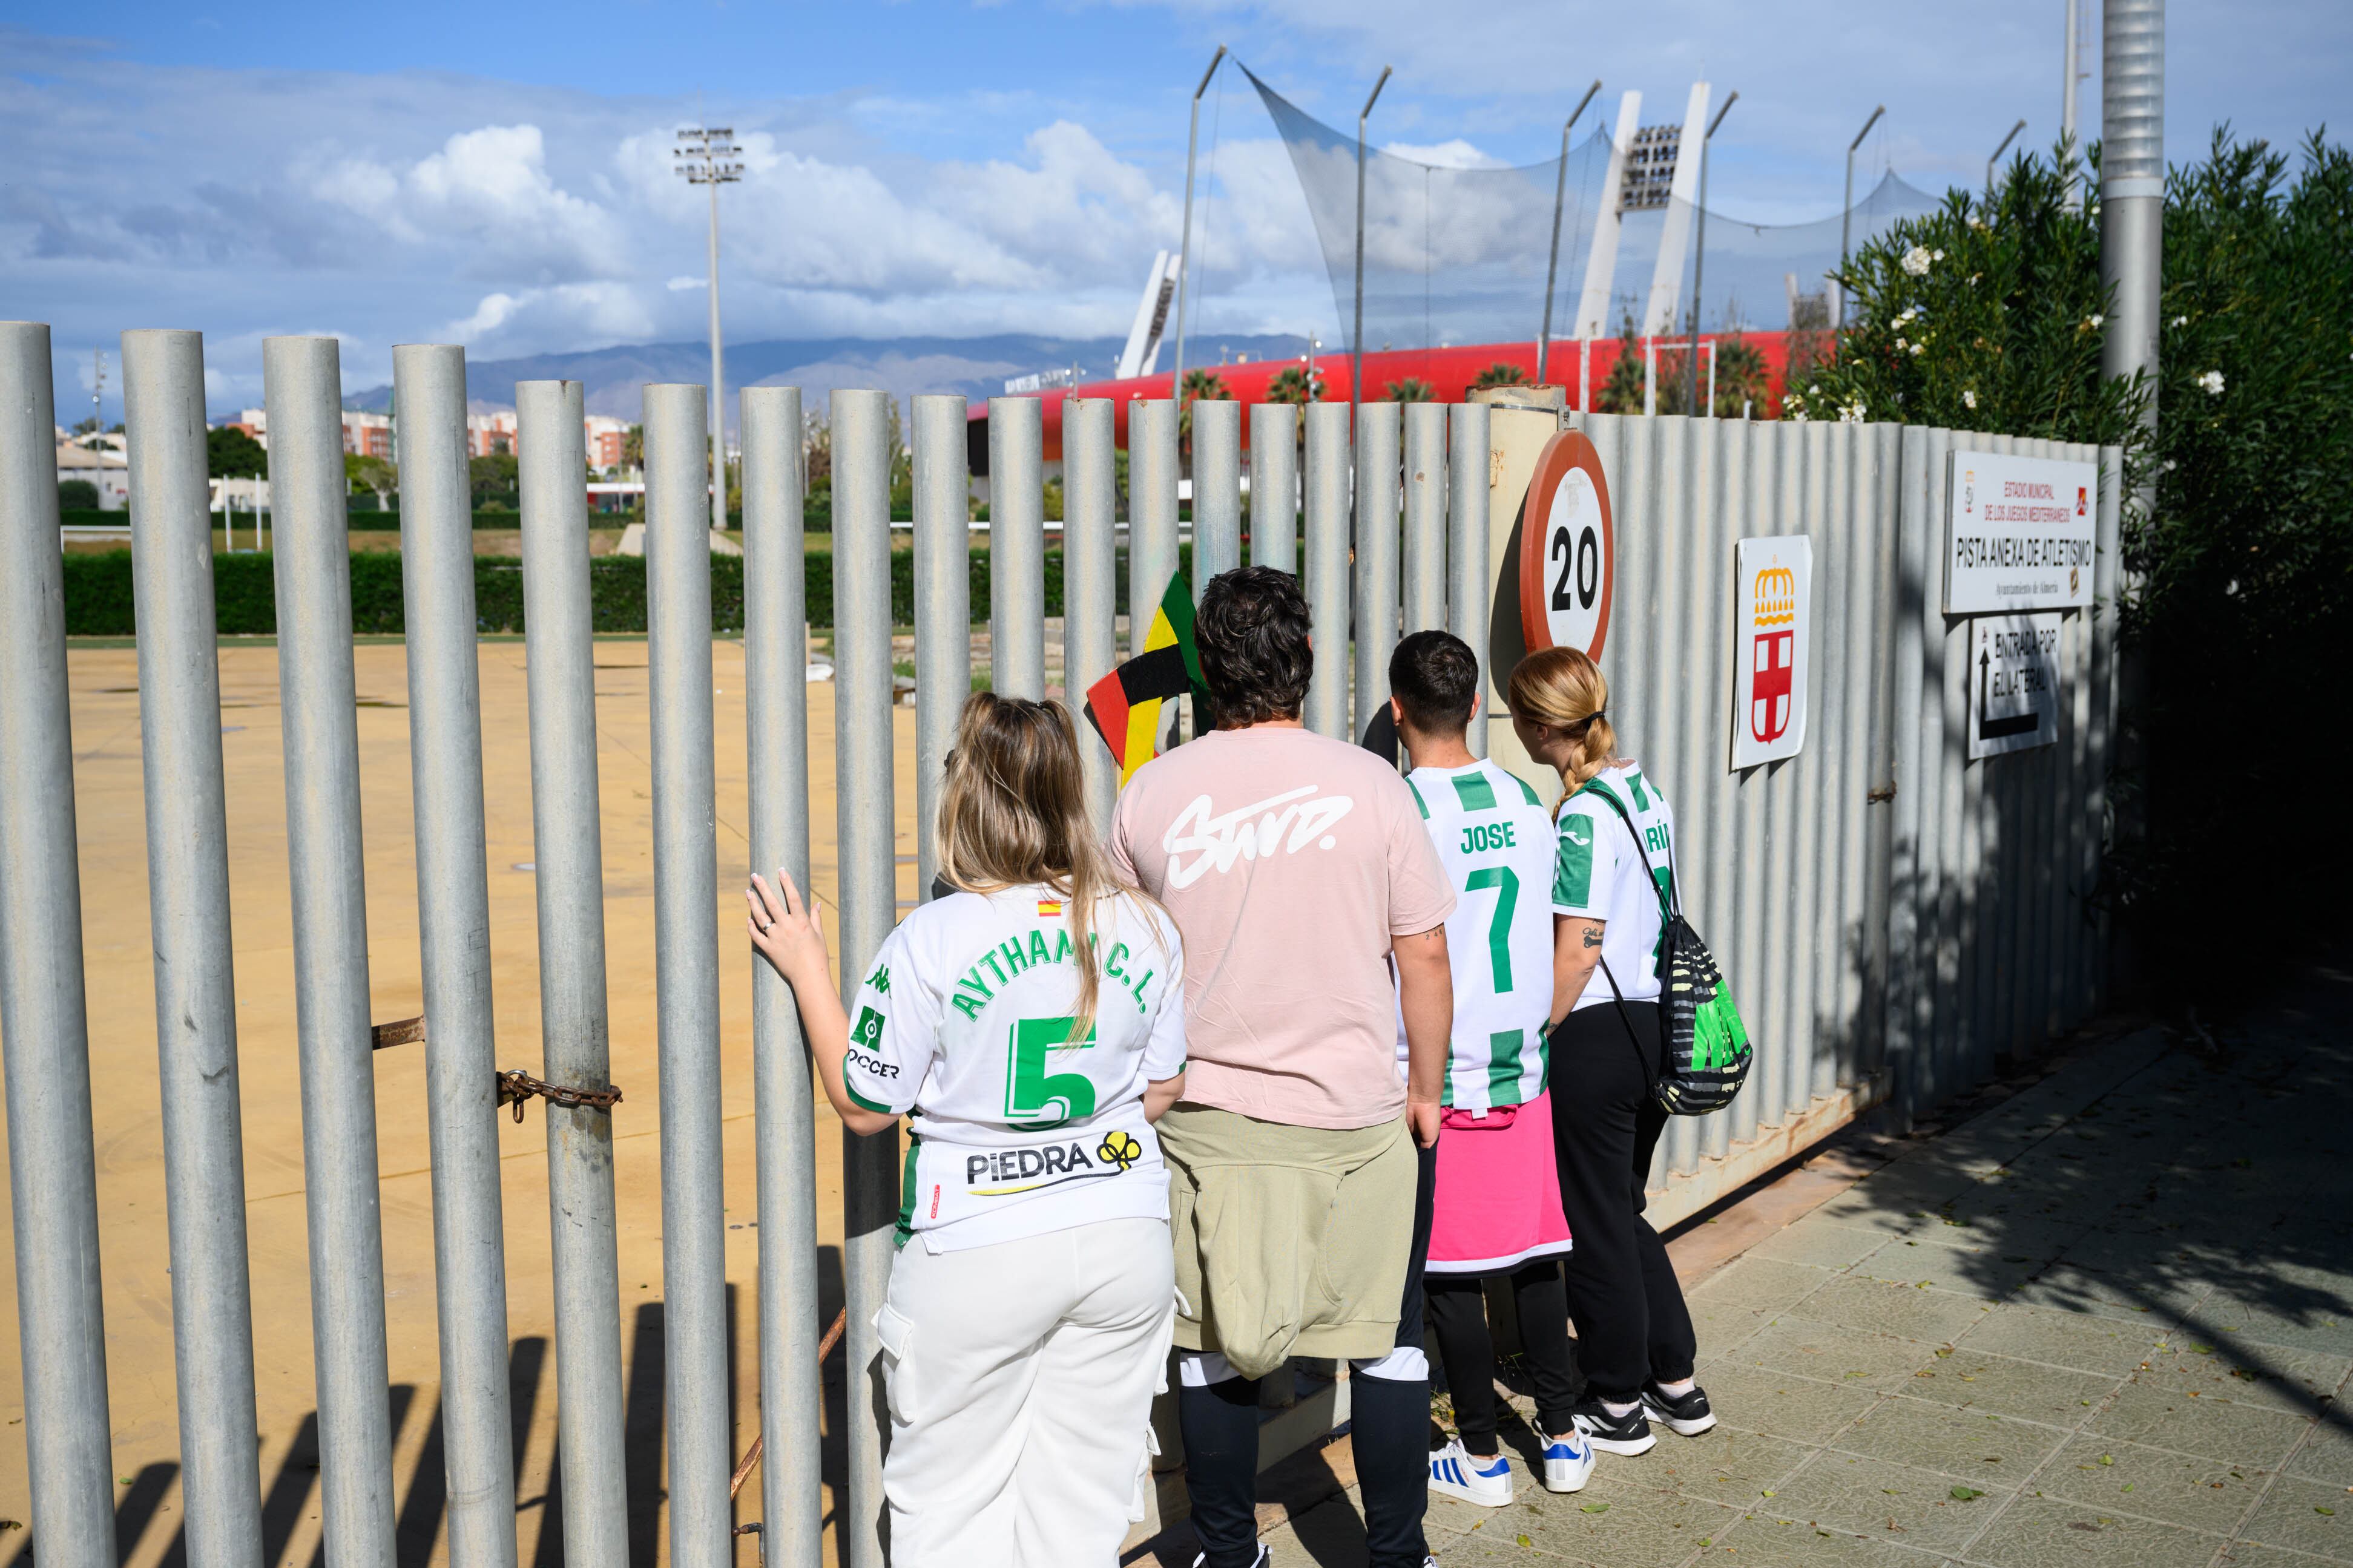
{"x":1412,"y":389}
{"x":1502,"y":373}
{"x":1292,"y":386}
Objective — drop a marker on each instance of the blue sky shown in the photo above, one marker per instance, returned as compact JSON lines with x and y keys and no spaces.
{"x":497,"y":175}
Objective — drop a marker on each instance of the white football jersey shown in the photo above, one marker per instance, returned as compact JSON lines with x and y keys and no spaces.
{"x":1604,"y":875}
{"x":1495,"y":840}
{"x":965,"y":1019}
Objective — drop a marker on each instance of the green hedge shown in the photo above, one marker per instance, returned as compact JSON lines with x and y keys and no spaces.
{"x":99,"y":597}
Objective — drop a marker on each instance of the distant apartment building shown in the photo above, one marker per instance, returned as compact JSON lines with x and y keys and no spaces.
{"x":487,"y":434}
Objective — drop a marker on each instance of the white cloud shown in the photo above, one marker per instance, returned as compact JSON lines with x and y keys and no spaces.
{"x":487,"y":191}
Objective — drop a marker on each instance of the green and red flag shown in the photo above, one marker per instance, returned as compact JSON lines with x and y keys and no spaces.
{"x":1125,"y":706}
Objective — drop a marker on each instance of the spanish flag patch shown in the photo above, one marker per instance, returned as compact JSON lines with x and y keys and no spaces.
{"x":1049,"y":909}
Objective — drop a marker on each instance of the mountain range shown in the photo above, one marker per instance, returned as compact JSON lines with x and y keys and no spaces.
{"x":977,"y":367}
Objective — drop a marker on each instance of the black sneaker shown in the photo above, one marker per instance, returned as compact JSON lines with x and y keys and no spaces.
{"x":1629,"y":1434}
{"x":1686,"y":1414}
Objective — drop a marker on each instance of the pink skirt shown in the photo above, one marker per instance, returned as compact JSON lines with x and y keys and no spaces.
{"x":1498,"y":1193}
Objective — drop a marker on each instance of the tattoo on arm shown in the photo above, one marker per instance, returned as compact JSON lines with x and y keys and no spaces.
{"x":1592,"y":934}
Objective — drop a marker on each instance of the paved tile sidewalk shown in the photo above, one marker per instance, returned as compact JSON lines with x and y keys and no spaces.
{"x":2108,"y":1322}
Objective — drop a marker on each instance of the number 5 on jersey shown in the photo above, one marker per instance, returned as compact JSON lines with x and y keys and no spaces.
{"x":1035,"y":1099}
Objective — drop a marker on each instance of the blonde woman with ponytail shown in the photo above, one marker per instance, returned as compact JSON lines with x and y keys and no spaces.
{"x":1614,"y":853}
{"x":1032,"y":1023}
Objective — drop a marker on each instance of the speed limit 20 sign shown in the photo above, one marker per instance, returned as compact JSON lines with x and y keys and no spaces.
{"x":1567,"y":551}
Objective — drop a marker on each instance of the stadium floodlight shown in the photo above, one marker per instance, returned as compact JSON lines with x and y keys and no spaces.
{"x":706,"y":155}
{"x":1356,"y":339}
{"x":1999,"y":152}
{"x":1185,"y":244}
{"x":1699,"y":253}
{"x":1846,"y":212}
{"x":1559,"y":195}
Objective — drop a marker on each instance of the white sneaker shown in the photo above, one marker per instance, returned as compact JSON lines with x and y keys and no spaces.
{"x":1265,"y":1559}
{"x":1455,"y":1473}
{"x":1567,"y":1461}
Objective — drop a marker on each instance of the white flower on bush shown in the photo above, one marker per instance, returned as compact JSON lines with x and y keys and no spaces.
{"x":1969,"y":397}
{"x":1937,"y":255}
{"x":2212,"y":382}
{"x":2093,"y":322}
{"x":1917,"y":348}
{"x":1851,"y":414}
{"x":1900,"y":344}
{"x":2180,"y":321}
{"x":1916,"y":260}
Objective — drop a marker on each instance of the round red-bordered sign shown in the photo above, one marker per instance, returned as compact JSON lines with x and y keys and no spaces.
{"x":1567,"y":549}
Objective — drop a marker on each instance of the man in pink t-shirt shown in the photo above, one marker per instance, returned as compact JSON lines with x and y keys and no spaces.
{"x":1299,"y":873}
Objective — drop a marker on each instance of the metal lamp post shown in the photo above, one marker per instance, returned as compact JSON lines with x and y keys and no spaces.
{"x":1560,"y":195}
{"x":1184,"y":242}
{"x":1356,"y":340}
{"x":1699,"y":255}
{"x":1846,"y":211}
{"x":705,"y":155}
{"x":1997,"y":152}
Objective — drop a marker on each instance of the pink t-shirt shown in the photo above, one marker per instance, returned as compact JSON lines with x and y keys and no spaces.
{"x":1290,"y":860}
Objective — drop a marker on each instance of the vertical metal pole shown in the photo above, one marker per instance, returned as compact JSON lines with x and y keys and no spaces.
{"x":718,"y":414}
{"x":1217,"y":489}
{"x":317,"y":700}
{"x":2132,"y":184}
{"x":453,"y":899}
{"x":1089,"y":578}
{"x":2072,"y":70}
{"x":567,"y":852}
{"x":775,"y":710}
{"x":1467,"y":587}
{"x":1699,"y":263}
{"x":44,"y":1018}
{"x":1185,"y":240}
{"x":1274,"y":486}
{"x":1151,"y":513}
{"x":1357,"y":337}
{"x":686,"y":978}
{"x":861,"y":694}
{"x":942,"y":612}
{"x":1585,"y":375}
{"x":1326,"y":575}
{"x":196,"y":1000}
{"x":1377,"y":558}
{"x":1846,"y":210}
{"x":1425,"y":578}
{"x":1016,"y":546}
{"x":1560,"y":200}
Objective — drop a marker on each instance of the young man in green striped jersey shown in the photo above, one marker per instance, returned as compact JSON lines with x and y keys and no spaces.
{"x":1492,"y":1188}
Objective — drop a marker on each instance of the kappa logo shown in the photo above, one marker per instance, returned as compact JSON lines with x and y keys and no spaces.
{"x":1289,"y":822}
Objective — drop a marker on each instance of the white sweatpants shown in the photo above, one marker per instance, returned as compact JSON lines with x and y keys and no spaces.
{"x":1021,"y":1379}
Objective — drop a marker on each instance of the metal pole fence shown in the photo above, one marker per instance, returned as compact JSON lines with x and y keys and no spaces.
{"x":1151,"y":513}
{"x":1466,"y":555}
{"x":775,"y":710}
{"x":1274,"y":486}
{"x":44,"y":1018}
{"x":862,"y":790}
{"x":1425,"y":579}
{"x":1017,"y":547}
{"x":1326,"y":576}
{"x":453,"y":900}
{"x":1377,"y":558}
{"x":942,"y":614}
{"x":576,"y":1033}
{"x":1089,"y":578}
{"x":195,"y":1001}
{"x":686,"y":978}
{"x":318,"y":692}
{"x":1217,"y":489}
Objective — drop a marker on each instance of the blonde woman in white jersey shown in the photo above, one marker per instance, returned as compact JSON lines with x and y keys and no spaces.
{"x":1032,"y":1022}
{"x":1615,"y":848}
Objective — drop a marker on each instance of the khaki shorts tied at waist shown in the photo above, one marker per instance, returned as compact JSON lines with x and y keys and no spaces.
{"x":1290,"y":1240}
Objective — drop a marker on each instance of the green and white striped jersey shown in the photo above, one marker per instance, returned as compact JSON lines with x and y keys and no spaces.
{"x":1496,"y":842}
{"x":1604,"y":875}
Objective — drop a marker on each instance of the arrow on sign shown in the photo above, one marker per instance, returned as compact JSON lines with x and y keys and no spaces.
{"x":1990,"y":728}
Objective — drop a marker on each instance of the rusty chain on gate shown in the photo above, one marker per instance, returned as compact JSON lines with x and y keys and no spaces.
{"x":516,"y":1085}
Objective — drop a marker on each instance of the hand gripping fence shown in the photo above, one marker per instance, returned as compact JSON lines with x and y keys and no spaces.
{"x":1955,"y":896}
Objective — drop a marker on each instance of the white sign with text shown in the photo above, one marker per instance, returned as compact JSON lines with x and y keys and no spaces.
{"x":2014,"y":683}
{"x":1772,"y":623}
{"x":2018,"y":533}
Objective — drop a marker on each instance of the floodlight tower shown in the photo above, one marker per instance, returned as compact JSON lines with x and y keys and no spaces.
{"x":706,"y":155}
